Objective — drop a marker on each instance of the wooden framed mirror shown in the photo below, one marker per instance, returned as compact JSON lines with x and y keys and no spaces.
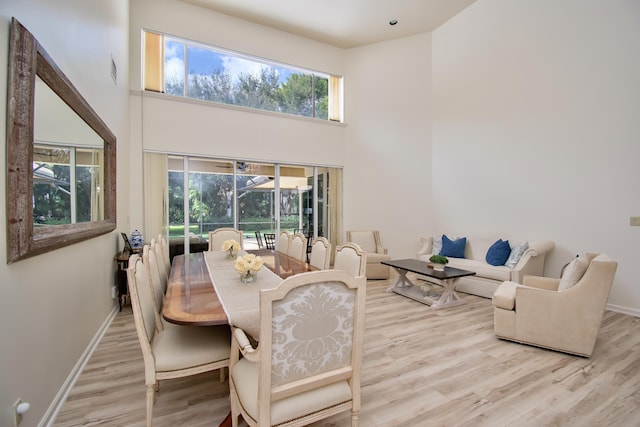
{"x":55,"y":139}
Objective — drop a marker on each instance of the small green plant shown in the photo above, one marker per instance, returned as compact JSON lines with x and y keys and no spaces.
{"x":439,"y":259}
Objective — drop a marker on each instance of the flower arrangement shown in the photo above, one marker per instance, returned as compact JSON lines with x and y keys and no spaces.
{"x":248,"y":267}
{"x":231,"y":247}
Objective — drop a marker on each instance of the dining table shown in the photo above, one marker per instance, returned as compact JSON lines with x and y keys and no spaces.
{"x":192,"y":298}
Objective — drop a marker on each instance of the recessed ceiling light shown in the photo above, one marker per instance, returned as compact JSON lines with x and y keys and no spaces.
{"x":393,"y":22}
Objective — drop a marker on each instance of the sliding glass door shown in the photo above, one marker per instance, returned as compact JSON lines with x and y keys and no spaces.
{"x":256,"y":198}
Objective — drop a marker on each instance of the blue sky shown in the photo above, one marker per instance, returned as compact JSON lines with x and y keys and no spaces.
{"x":204,"y":61}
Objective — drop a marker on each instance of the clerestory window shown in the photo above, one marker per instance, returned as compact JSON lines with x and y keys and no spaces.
{"x":184,"y":68}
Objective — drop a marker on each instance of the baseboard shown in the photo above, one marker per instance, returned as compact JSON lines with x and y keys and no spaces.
{"x":624,"y":310}
{"x":52,"y":412}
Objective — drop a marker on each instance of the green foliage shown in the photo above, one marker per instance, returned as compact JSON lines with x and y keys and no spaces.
{"x":264,"y":91}
{"x":439,"y":259}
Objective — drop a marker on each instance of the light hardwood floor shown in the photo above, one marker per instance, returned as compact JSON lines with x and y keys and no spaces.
{"x":420,"y":368}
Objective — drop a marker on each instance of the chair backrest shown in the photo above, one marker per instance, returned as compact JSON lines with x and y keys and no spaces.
{"x":164,"y":247}
{"x":368,"y":240}
{"x":282,"y":244}
{"x":216,"y":237}
{"x":259,"y":239}
{"x":156,"y":250}
{"x":270,"y":240}
{"x":154,"y":281}
{"x":351,"y":259}
{"x":298,"y":247}
{"x":142,"y":305}
{"x":320,"y":307}
{"x":320,"y":253}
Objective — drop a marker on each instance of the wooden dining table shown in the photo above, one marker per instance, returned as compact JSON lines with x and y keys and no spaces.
{"x":191,"y":298}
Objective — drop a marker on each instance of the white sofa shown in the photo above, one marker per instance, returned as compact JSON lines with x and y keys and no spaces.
{"x":489,"y":277}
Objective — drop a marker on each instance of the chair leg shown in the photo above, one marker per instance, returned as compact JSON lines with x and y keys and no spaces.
{"x":354,"y":420}
{"x":151,"y":395}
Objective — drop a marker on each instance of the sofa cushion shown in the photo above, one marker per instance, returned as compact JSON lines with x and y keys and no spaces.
{"x":453,"y":248}
{"x":573,"y":273}
{"x":505,"y":296}
{"x":516,"y":254}
{"x":373,"y":257}
{"x":499,"y":252}
{"x":482,"y":269}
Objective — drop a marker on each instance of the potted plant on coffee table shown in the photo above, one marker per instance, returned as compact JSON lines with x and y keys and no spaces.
{"x":438,"y":262}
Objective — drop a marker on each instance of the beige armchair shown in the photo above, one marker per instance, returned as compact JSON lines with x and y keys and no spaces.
{"x":568,"y":320}
{"x":369,"y":241}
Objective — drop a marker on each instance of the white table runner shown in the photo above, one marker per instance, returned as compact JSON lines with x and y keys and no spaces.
{"x":240,"y":301}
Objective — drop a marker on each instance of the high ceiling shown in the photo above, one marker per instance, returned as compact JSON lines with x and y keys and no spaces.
{"x":343,"y":23}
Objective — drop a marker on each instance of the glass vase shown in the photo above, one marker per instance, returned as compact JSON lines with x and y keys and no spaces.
{"x":248,"y":277}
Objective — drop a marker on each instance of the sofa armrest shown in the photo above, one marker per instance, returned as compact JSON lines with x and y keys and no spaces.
{"x":532,"y":261}
{"x":381,"y":250}
{"x":427,"y":246}
{"x":548,"y":283}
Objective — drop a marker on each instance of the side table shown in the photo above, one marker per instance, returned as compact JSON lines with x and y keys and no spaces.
{"x":122,"y":287}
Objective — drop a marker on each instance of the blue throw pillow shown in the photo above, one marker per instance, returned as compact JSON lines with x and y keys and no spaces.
{"x":453,"y":248}
{"x":498,"y":253}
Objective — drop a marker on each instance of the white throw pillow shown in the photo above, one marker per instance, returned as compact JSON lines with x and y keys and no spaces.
{"x":437,"y":245}
{"x":516,"y":254}
{"x":573,"y":273}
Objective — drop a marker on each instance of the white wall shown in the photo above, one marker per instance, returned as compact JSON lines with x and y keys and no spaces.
{"x":387,"y":164}
{"x":53,"y":304}
{"x":536,"y":130}
{"x":200,"y":128}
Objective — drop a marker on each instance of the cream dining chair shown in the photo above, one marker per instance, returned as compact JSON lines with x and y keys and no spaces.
{"x":350,"y":258}
{"x":281,"y":382}
{"x":164,"y":247}
{"x":282,"y":244}
{"x":156,"y":282}
{"x":218,"y":236}
{"x":173,"y":352}
{"x":298,"y":247}
{"x":320,"y":253}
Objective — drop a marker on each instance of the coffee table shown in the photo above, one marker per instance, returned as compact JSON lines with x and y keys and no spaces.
{"x":446,"y":278}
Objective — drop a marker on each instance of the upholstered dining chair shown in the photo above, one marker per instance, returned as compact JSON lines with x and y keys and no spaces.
{"x":156,"y":248}
{"x":282,"y":244}
{"x":284,"y":381}
{"x":350,"y":258}
{"x":173,"y":352}
{"x":164,"y":247}
{"x":298,"y":247}
{"x":369,"y":241}
{"x":320,"y":253}
{"x":219,"y":235}
{"x":560,"y":314}
{"x":156,"y":282}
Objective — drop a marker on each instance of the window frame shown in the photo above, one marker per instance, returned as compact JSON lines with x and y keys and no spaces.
{"x":153,"y":67}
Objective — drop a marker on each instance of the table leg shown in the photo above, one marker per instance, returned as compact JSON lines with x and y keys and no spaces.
{"x":402,"y":280}
{"x":449,"y":297}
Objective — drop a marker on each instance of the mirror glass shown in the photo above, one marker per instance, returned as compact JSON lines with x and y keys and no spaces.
{"x":68,"y":163}
{"x":61,"y":175}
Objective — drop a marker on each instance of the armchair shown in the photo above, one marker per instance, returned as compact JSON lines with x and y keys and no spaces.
{"x":559,"y":314}
{"x":369,"y":241}
{"x":308,"y":362}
